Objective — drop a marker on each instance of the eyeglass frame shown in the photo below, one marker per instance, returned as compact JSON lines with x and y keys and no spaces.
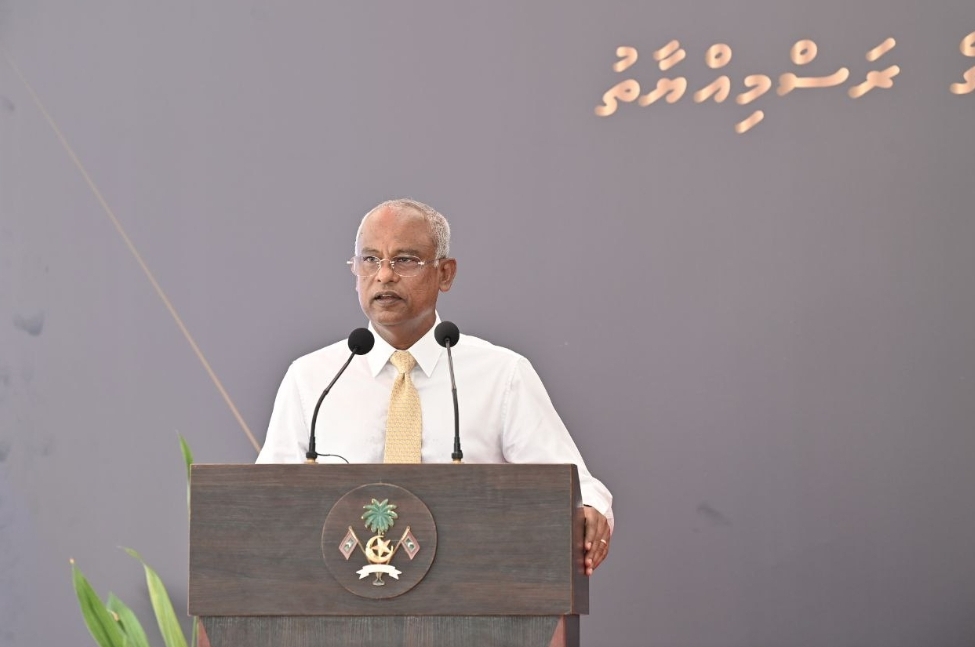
{"x":392,"y":266}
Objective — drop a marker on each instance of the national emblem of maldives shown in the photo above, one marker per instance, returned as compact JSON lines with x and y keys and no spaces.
{"x":379,"y":518}
{"x":389,"y":549}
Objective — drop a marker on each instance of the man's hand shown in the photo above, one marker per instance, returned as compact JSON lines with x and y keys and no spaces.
{"x":597,"y":539}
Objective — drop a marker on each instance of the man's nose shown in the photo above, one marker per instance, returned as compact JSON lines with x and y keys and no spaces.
{"x":385,"y":274}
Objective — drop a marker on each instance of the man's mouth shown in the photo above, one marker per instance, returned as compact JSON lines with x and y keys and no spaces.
{"x":387,"y":297}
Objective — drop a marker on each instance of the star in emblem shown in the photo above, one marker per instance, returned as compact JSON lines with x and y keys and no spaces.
{"x":382,"y":547}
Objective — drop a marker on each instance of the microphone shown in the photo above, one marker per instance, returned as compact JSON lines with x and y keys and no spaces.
{"x":448,"y":335}
{"x":361,"y":342}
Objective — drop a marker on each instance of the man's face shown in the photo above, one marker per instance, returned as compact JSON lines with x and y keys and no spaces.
{"x":401,"y":309}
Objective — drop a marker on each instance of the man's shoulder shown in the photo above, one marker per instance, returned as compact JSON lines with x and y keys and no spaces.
{"x":477,"y":346}
{"x":468,"y":347}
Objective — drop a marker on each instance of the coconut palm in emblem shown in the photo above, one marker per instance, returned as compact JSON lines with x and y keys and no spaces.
{"x":379,"y":551}
{"x":379,"y":516}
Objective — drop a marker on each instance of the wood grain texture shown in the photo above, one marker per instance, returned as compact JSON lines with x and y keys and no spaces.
{"x":509,"y":540}
{"x":394,"y":631}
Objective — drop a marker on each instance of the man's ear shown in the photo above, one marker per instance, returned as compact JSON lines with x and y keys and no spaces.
{"x":447,"y":271}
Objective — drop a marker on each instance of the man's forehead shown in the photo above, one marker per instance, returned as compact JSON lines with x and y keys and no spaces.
{"x":405,"y":230}
{"x":408,"y":250}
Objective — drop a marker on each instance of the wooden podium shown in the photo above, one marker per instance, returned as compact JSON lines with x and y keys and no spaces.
{"x":489,"y":555}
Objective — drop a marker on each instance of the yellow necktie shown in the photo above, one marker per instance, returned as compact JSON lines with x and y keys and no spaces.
{"x":404,"y":422}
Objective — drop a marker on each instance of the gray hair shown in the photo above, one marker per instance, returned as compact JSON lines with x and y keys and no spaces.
{"x":438,"y":224}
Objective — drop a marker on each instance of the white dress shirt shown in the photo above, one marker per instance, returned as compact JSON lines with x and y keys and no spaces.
{"x":506,"y":415}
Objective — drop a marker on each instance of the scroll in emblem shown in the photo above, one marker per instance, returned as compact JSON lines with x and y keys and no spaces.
{"x":379,"y":517}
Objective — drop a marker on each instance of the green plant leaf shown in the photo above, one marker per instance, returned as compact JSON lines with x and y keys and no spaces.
{"x":169,"y":626}
{"x":101,"y":624}
{"x":188,"y":459}
{"x":131,"y":627}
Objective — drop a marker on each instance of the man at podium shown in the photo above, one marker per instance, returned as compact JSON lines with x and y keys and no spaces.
{"x":394,"y":404}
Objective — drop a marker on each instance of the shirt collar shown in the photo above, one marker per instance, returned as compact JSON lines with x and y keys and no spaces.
{"x":426,"y":351}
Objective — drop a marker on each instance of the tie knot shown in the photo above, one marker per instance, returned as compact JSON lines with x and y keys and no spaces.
{"x":403,"y":361}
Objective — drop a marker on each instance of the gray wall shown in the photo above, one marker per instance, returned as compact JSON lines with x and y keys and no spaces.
{"x":763,"y":343}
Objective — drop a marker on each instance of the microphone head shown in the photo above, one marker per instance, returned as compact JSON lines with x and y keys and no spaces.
{"x":361,"y":341}
{"x":447,"y":331}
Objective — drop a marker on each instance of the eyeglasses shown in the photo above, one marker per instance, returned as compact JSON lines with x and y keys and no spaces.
{"x":405,"y":266}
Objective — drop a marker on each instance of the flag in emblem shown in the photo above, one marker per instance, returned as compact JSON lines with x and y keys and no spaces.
{"x":409,"y":543}
{"x":349,"y":543}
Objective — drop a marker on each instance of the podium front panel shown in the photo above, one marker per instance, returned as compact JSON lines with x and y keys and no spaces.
{"x":508,"y":540}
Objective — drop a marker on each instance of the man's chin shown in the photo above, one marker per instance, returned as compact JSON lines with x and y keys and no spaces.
{"x":397,"y":324}
{"x":385,"y":319}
